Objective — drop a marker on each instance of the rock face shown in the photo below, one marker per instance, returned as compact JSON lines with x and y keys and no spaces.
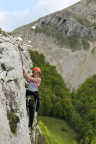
{"x":79,"y":20}
{"x":12,"y":91}
{"x":86,"y":8}
{"x":12,"y":94}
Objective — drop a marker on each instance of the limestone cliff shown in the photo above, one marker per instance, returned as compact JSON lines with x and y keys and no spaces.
{"x":13,"y":116}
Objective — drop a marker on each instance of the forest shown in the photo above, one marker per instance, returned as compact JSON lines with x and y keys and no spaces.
{"x":78,"y":107}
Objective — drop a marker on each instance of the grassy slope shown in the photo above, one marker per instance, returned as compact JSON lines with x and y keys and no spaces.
{"x":60,"y":130}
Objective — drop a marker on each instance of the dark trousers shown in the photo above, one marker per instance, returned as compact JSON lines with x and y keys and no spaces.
{"x":30,"y":105}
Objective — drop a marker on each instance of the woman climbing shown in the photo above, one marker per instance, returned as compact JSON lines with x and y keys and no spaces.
{"x":32,"y":96}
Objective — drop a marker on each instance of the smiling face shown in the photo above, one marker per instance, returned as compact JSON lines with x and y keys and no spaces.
{"x":36,"y":74}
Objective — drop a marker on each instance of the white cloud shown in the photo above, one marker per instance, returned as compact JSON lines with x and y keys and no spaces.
{"x":11,"y":20}
{"x":2,"y":17}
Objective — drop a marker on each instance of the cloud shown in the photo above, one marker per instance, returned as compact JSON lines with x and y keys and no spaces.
{"x":2,"y":17}
{"x":12,"y":20}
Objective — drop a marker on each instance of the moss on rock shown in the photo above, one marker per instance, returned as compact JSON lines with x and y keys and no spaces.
{"x":13,"y":120}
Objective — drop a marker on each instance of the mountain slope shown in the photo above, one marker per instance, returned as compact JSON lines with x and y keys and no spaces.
{"x":67,"y":39}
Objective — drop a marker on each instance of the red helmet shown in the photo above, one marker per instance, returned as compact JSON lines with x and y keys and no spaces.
{"x":37,"y":69}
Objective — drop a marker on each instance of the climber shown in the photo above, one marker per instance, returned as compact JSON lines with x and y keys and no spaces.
{"x":32,"y":96}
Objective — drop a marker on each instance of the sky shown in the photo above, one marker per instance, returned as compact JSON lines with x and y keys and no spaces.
{"x":15,"y":13}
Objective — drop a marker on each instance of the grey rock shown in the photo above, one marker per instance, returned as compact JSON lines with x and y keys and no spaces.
{"x":93,"y":33}
{"x":15,"y":56}
{"x":74,"y":20}
{"x":12,"y":94}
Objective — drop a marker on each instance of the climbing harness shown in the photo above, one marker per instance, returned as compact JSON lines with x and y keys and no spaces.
{"x":31,"y":104}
